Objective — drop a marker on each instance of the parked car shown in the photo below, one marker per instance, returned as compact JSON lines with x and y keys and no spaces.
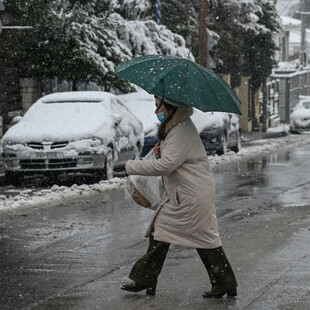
{"x":300,"y":116}
{"x":89,"y":132}
{"x":218,"y":131}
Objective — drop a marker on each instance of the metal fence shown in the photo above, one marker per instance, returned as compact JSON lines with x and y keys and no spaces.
{"x":291,"y":86}
{"x":272,"y":103}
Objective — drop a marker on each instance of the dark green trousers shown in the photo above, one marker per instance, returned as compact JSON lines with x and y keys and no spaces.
{"x":147,"y":269}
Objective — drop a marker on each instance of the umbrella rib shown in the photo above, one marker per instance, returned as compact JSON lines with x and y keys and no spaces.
{"x":210,"y":87}
{"x":170,"y":68}
{"x":222,"y":83}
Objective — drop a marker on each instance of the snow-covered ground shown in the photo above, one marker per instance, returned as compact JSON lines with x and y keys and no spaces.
{"x":60,"y":194}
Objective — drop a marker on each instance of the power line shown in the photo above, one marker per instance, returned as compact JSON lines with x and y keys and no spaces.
{"x":285,"y":7}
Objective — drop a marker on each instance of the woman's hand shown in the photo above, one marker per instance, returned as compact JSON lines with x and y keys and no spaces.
{"x":157,"y":150}
{"x":125,"y":164}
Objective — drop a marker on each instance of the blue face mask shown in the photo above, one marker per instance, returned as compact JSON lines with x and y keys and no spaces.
{"x":161,"y":116}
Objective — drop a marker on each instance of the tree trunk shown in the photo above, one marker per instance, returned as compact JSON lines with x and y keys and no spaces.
{"x":202,"y":56}
{"x":74,"y":85}
{"x":303,"y":50}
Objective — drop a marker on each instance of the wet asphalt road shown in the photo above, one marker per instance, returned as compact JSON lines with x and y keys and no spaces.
{"x":75,"y":255}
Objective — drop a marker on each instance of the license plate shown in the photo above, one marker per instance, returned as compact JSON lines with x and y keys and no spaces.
{"x":50,"y":155}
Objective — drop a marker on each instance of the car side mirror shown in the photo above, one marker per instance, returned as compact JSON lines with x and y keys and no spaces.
{"x":16,"y":119}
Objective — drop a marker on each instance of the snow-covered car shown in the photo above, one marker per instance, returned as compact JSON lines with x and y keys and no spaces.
{"x":300,"y":116}
{"x":89,"y":132}
{"x":218,"y":131}
{"x":142,"y":104}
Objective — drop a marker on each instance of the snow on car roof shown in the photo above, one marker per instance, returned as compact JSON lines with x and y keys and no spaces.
{"x":142,"y":104}
{"x":78,"y":96}
{"x":64,"y":120}
{"x":203,"y":120}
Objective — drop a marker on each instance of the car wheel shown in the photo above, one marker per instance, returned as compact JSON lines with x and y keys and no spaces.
{"x":294,"y":131}
{"x":236,"y":148}
{"x":14,"y":178}
{"x":223,"y":148}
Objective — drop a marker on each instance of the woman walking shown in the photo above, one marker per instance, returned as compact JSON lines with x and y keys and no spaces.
{"x":186,"y":214}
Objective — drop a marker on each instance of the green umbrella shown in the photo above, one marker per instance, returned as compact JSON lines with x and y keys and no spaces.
{"x":180,"y":80}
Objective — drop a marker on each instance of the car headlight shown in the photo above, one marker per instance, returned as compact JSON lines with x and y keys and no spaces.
{"x":12,"y":145}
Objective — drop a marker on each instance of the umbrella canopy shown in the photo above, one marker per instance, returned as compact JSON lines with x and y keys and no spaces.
{"x":180,"y":80}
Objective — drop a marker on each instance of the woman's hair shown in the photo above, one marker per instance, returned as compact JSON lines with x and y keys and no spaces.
{"x":161,"y":129}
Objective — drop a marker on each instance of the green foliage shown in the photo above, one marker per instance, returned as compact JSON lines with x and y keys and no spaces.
{"x":259,"y":50}
{"x":244,"y":28}
{"x":226,"y":53}
{"x":84,"y":40}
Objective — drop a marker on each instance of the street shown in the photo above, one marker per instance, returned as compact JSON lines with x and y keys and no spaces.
{"x":78,"y":253}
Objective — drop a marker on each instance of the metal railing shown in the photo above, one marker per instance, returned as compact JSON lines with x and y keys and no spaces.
{"x":291,"y":86}
{"x":272,"y":102}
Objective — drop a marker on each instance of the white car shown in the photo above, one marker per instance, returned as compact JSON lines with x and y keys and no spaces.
{"x":300,"y":116}
{"x":69,"y":132}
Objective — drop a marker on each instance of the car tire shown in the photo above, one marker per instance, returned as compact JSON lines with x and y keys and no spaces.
{"x":294,"y":131}
{"x":236,"y":148}
{"x":14,"y":178}
{"x":223,"y":148}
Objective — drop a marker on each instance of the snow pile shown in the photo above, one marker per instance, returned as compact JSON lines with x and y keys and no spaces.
{"x":262,"y":146}
{"x":59,"y":194}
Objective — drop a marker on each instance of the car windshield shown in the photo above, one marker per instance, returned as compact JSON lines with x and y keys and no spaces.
{"x":63,"y":120}
{"x":65,"y":112}
{"x":306,"y":104}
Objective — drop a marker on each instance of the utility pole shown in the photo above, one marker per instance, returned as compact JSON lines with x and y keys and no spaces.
{"x":303,"y":50}
{"x":2,"y":8}
{"x":202,"y":54}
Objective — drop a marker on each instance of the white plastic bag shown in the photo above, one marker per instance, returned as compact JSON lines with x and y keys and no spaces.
{"x":146,"y":190}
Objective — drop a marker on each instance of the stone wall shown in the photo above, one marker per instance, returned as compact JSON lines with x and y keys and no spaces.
{"x":242,"y":92}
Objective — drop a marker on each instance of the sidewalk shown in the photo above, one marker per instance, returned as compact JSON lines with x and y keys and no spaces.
{"x":248,"y":138}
